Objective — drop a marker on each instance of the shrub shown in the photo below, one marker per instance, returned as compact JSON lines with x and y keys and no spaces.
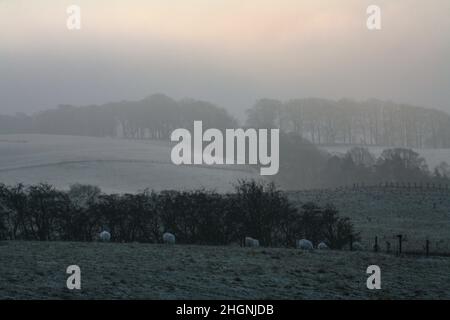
{"x":255,"y":209}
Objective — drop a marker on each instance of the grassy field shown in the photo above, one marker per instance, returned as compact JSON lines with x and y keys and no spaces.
{"x":32,"y":270}
{"x":36,"y":270}
{"x":115,"y":165}
{"x":417,"y":214}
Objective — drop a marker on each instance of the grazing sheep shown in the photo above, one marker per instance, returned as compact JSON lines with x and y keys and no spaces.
{"x":358,"y":246}
{"x":322,"y":246}
{"x":304,"y":244}
{"x":104,"y":236}
{"x":168,"y":238}
{"x":250,"y":242}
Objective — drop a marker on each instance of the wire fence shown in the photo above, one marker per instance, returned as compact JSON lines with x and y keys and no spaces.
{"x":402,"y":185}
{"x":402,"y":244}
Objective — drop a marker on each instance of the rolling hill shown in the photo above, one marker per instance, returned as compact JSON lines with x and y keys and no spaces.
{"x":116,"y":165}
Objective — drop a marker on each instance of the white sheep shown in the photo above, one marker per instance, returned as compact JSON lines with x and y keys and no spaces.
{"x":357,"y":246}
{"x":169,"y":238}
{"x":250,"y":242}
{"x":304,"y":244}
{"x":104,"y":236}
{"x":322,"y":246}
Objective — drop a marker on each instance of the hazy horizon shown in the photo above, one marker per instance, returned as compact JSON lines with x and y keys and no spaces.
{"x":227,"y":52}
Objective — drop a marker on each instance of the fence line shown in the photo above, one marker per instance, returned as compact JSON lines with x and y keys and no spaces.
{"x":383,"y":185}
{"x":396,"y":246}
{"x":402,"y":185}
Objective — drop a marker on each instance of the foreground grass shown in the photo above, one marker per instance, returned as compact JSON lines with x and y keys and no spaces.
{"x":36,"y":270}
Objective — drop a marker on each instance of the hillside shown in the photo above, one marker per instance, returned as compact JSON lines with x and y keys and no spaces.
{"x":116,"y":165}
{"x":36,"y":270}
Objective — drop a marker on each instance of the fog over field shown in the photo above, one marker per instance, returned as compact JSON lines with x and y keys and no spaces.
{"x":115,"y":165}
{"x":122,"y":165}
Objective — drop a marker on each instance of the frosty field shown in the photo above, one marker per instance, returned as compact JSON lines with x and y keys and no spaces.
{"x":417,"y":214}
{"x":119,"y":165}
{"x":36,"y":270}
{"x":116,"y":165}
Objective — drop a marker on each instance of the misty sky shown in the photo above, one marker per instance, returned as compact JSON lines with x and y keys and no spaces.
{"x":230,"y":52}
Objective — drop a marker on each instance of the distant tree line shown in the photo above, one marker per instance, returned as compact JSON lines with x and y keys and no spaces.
{"x":320,"y":121}
{"x":152,"y":118}
{"x":40,"y":212}
{"x":303,"y":123}
{"x":400,"y":165}
{"x":348,"y":122}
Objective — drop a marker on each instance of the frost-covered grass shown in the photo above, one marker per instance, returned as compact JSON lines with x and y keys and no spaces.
{"x":116,"y":165}
{"x":149,"y":271}
{"x":419,"y":214}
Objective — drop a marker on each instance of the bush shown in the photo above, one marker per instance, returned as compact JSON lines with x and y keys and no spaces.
{"x":255,"y":209}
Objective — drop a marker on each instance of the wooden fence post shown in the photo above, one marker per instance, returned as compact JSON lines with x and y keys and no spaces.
{"x":400,"y":238}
